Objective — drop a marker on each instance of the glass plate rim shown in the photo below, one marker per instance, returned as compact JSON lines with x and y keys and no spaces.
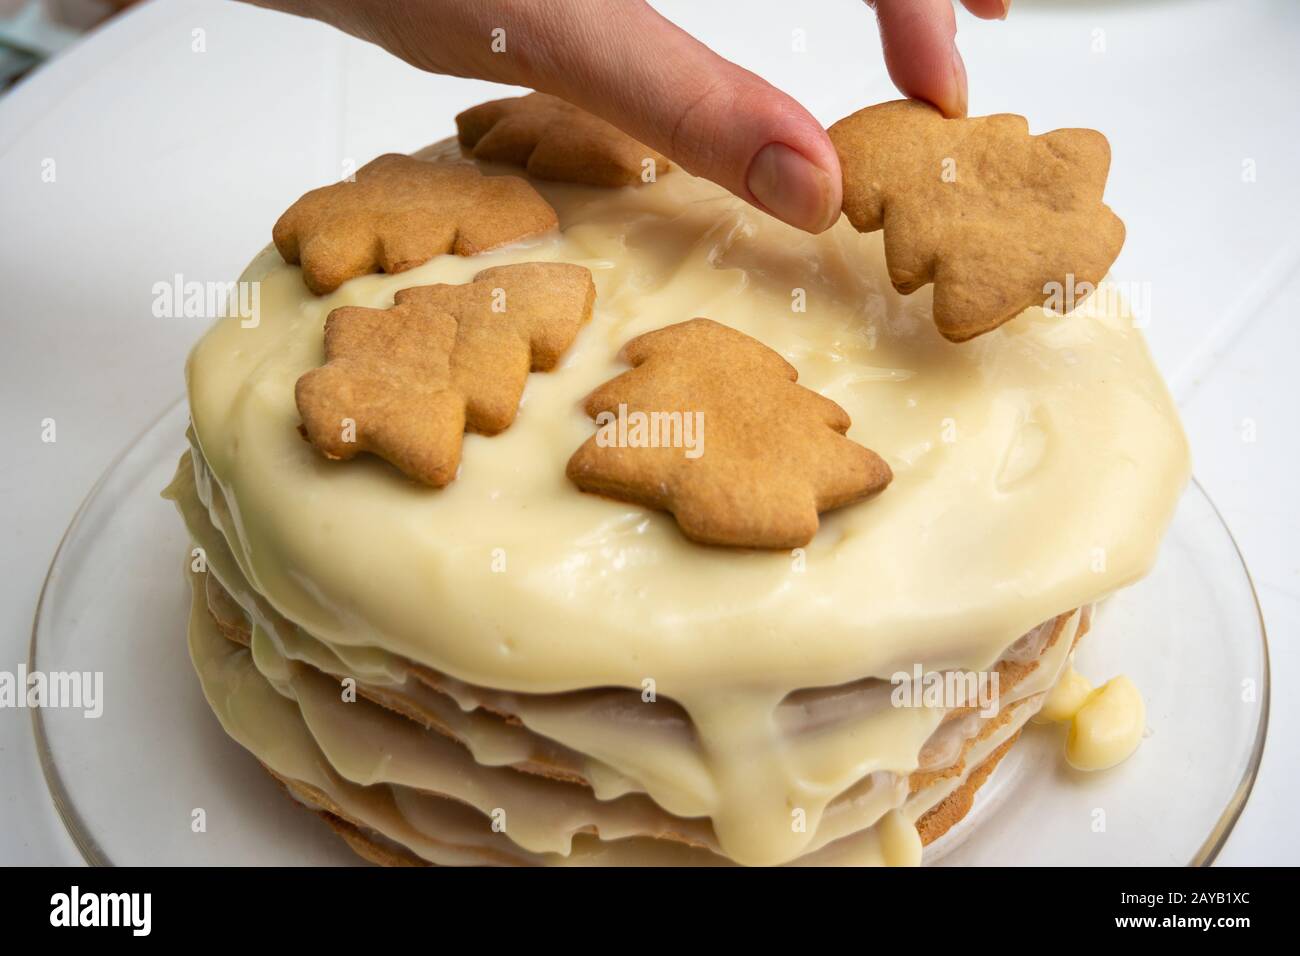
{"x":93,"y":855}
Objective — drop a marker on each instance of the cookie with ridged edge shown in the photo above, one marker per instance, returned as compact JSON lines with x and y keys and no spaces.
{"x":997,"y":219}
{"x":553,"y":139}
{"x":771,"y":453}
{"x":405,"y":383}
{"x":399,"y":213}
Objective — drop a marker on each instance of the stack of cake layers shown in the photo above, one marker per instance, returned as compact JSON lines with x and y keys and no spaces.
{"x":509,"y":671}
{"x":412,"y":766}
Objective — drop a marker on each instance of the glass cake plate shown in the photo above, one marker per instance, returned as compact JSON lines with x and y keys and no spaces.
{"x":130,"y":784}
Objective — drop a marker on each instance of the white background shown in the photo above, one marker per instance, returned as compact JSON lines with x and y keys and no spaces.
{"x":175,"y":161}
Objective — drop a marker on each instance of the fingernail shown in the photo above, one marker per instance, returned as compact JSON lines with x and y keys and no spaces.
{"x":959,"y":83}
{"x":791,"y":188}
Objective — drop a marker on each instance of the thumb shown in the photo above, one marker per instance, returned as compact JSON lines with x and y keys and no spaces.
{"x":628,"y":65}
{"x":715,"y":119}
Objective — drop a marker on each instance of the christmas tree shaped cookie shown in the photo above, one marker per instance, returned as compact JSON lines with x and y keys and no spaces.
{"x":405,"y":383}
{"x":710,"y":425}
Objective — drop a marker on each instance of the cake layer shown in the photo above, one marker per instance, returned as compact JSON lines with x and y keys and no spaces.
{"x":420,"y":798}
{"x":365,"y":744}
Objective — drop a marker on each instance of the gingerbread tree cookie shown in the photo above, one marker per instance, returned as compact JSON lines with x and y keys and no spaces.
{"x":554,"y":139}
{"x":405,"y":383}
{"x":401,"y":212}
{"x":997,"y":219}
{"x":759,"y":457}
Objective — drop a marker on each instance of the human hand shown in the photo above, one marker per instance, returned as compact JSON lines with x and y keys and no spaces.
{"x":627,"y":64}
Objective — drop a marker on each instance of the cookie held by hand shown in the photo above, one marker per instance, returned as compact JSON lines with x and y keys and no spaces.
{"x":553,"y":139}
{"x":766,"y":454}
{"x":401,"y":212}
{"x":406,"y":383}
{"x":996,"y":218}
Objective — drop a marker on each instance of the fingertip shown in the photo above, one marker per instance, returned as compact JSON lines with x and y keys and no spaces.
{"x":810,"y":139}
{"x":957,"y":106}
{"x":711,"y":117}
{"x":919,"y":41}
{"x":943,"y":87}
{"x":795,"y":189}
{"x":988,"y":9}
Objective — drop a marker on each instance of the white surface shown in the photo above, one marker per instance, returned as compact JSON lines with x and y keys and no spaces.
{"x":174,"y":161}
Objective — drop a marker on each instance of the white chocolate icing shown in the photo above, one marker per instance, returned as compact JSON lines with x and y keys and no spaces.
{"x":1035,"y":471}
{"x":1065,"y":699}
{"x":1107,"y":727}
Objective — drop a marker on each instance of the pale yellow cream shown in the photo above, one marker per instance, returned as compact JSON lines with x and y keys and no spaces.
{"x":1107,"y":727}
{"x":1065,"y":699}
